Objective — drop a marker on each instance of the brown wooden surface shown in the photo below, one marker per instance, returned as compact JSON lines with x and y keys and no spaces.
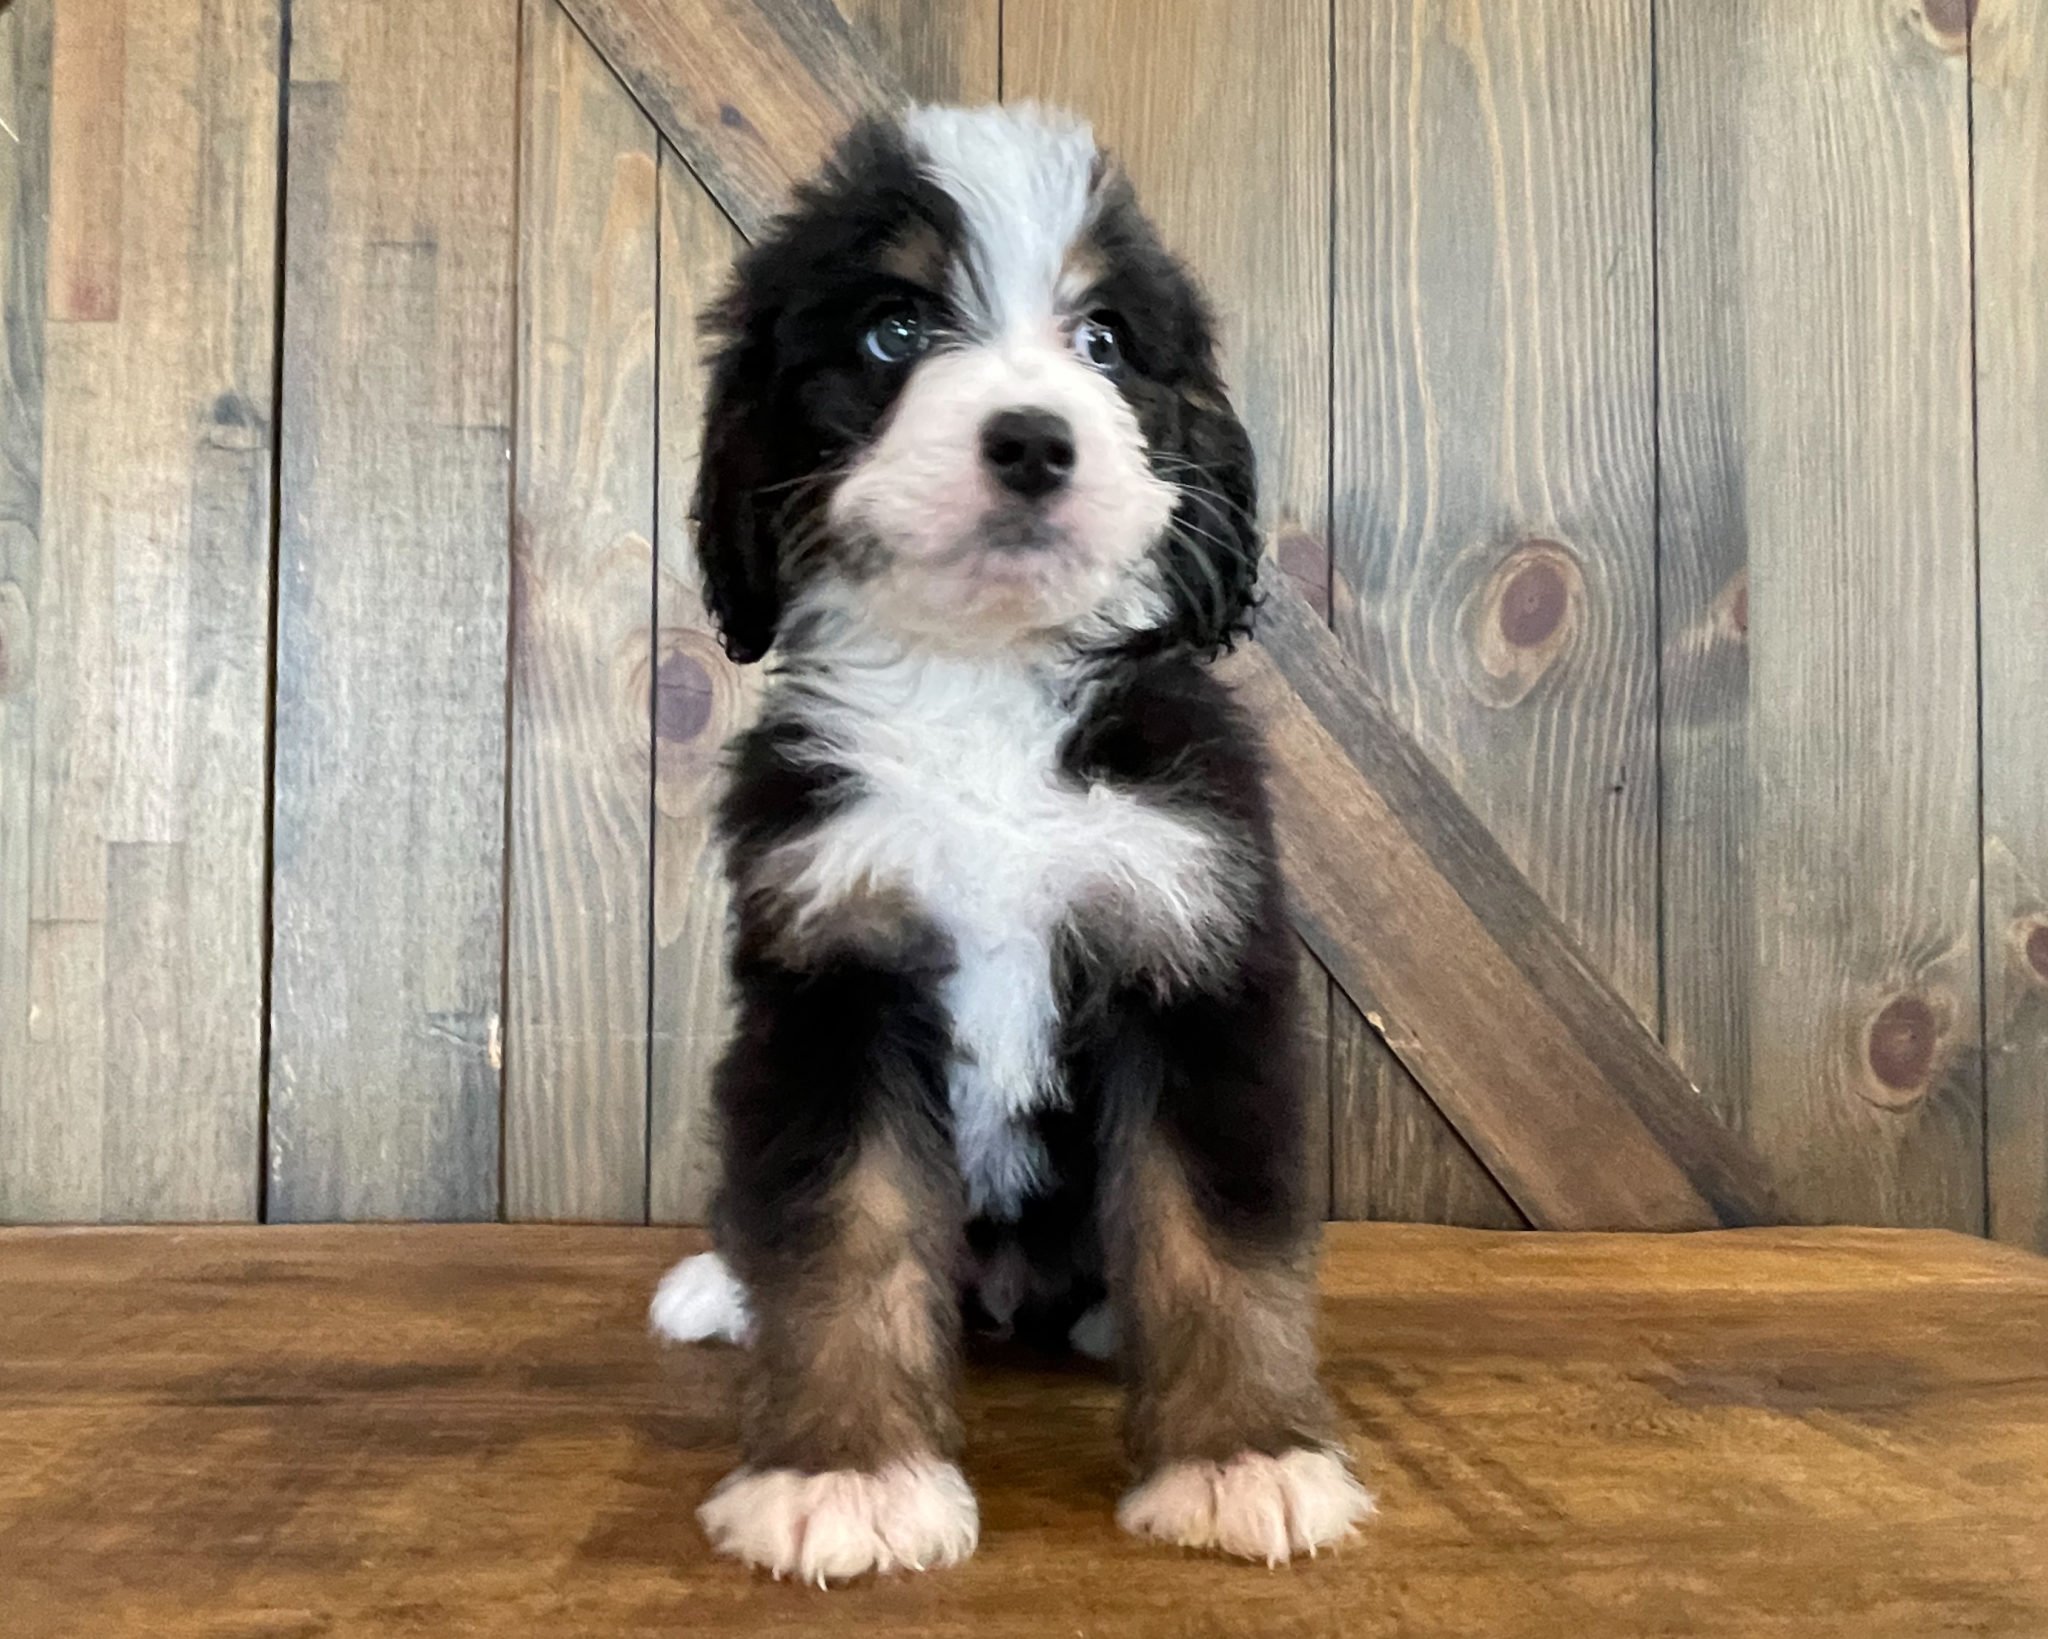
{"x":1494,"y":516}
{"x":1821,"y":934}
{"x":134,"y":603}
{"x":2009,"y":57}
{"x":1240,"y":90}
{"x":576,"y":981}
{"x":393,"y":569}
{"x":466,"y":1430}
{"x":1545,"y":1072}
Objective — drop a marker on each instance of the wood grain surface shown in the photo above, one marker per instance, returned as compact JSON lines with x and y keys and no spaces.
{"x":2009,"y":111}
{"x":701,"y":699}
{"x":393,"y":572}
{"x":1476,"y":984}
{"x":1821,"y":920}
{"x":752,"y":94}
{"x":141,"y":164}
{"x":1242,"y":91}
{"x":1494,"y":475}
{"x":576,"y":981}
{"x":466,"y":1431}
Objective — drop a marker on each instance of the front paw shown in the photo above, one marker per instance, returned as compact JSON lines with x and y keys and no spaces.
{"x":914,"y":1515}
{"x":1254,"y":1506}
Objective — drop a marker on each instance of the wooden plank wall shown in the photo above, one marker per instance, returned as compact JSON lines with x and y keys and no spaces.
{"x":137,"y":272}
{"x":1613,"y":366}
{"x":1820,"y":938}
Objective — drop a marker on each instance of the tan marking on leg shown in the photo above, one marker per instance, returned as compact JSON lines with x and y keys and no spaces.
{"x":857,"y":1347}
{"x":1222,"y":1344}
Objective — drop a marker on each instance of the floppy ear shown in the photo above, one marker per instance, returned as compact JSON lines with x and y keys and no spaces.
{"x":1215,"y":540}
{"x":736,"y":535}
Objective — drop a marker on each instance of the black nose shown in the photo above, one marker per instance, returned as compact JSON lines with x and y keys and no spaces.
{"x":1031,"y":452}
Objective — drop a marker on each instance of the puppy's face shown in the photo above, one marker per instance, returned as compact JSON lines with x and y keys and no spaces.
{"x":961,"y":396}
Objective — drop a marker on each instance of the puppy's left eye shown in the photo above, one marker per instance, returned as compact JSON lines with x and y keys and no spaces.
{"x":896,"y":337}
{"x":1096,"y":342}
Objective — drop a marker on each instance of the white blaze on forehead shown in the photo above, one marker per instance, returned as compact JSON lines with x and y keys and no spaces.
{"x":1023,"y":178}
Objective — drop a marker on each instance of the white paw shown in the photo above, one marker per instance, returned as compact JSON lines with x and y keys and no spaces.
{"x":1254,"y":1506}
{"x":1094,"y":1334}
{"x":913,"y":1515}
{"x":698,"y":1299}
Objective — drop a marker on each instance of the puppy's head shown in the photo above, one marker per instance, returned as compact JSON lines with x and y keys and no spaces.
{"x":961,"y":395}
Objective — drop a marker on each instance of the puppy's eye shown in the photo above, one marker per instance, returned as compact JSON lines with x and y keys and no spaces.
{"x":1095,"y":341}
{"x":897,"y":337}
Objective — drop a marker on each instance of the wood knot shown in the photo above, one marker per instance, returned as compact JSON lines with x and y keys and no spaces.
{"x":1532,"y":604}
{"x":1900,"y":1048}
{"x":1950,"y":19}
{"x":699,"y":699}
{"x":2034,"y":944}
{"x":731,"y":118}
{"x":1524,"y":617}
{"x":1306,"y":563}
{"x":683,"y":695}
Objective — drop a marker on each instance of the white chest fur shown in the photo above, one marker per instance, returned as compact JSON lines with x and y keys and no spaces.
{"x":962,"y":806}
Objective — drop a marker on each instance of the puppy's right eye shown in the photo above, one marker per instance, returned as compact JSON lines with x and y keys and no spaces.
{"x":896,"y":337}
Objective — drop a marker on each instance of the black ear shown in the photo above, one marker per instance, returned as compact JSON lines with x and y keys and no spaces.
{"x":1213,"y":546}
{"x":734,"y":511}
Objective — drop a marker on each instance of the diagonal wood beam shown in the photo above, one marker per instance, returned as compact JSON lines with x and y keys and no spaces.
{"x":1397,"y":886}
{"x":1408,"y":899}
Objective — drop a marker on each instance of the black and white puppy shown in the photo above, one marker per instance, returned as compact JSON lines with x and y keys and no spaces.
{"x":1014,"y":1035}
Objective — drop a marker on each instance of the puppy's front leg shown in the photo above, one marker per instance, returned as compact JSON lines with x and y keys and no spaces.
{"x":1212,"y":1259}
{"x":840,"y":1211}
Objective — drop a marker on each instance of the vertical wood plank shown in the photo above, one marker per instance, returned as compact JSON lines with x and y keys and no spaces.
{"x":701,"y":700}
{"x":582,"y":612}
{"x":88,"y":102}
{"x":32,"y":1125}
{"x":1221,"y":114}
{"x":943,"y":52}
{"x":139,"y":643}
{"x":392,"y":610}
{"x":1820,"y":735}
{"x":1493,"y":470}
{"x":2009,"y":105}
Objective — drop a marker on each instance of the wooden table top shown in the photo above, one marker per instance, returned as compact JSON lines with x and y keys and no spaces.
{"x":447,"y":1431}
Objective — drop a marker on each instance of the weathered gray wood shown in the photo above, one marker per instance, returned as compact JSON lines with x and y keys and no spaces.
{"x":751,"y":92}
{"x":134,"y":607}
{"x":1393,"y":1155}
{"x":939,"y":50}
{"x":701,"y":699}
{"x":1821,"y":926}
{"x":1559,"y":1089}
{"x":1240,"y":92}
{"x":392,"y":610}
{"x":2009,"y":52}
{"x":1493,"y":476}
{"x":35,"y":1155}
{"x":576,"y":983}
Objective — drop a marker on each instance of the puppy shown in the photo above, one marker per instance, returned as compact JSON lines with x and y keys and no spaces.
{"x":1014,"y":1035}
